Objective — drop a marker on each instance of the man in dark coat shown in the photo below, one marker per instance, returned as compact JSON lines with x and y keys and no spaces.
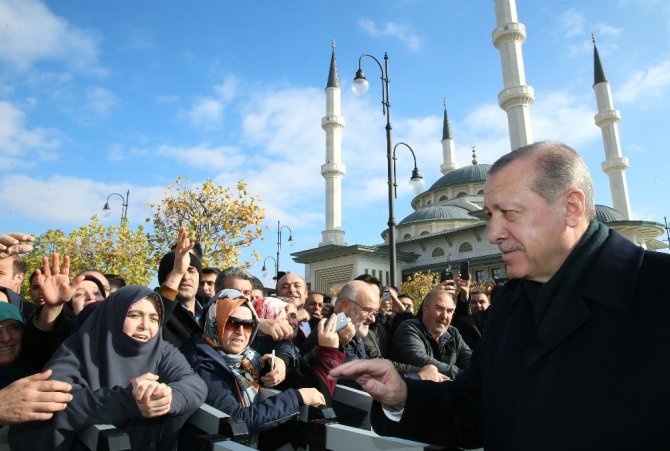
{"x":574,"y":355}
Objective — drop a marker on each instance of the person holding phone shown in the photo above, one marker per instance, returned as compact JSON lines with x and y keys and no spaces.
{"x":232,"y":369}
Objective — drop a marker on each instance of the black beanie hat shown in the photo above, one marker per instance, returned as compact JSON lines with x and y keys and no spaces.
{"x":167,"y":263}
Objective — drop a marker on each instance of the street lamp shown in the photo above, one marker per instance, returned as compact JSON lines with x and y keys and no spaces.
{"x":289,"y":242}
{"x":280,"y":228}
{"x":264,"y":269}
{"x":360,"y":86}
{"x":416,"y":182}
{"x":106,"y":210}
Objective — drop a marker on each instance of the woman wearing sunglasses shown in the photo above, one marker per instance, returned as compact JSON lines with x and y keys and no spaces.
{"x":231,"y":369}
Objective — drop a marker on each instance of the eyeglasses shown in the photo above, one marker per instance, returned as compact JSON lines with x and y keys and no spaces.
{"x":14,"y":329}
{"x":234,"y":324}
{"x":367,"y":310}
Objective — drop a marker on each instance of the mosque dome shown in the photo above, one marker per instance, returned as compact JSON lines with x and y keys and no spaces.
{"x":608,"y":214}
{"x":475,"y":173}
{"x":437,"y":213}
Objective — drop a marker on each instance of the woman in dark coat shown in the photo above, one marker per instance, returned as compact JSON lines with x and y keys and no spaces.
{"x":122,"y":372}
{"x":231,"y":369}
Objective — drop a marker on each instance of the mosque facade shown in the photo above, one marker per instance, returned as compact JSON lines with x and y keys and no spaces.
{"x":448,"y":224}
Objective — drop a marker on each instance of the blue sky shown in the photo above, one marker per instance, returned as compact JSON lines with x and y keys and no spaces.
{"x":102,"y":97}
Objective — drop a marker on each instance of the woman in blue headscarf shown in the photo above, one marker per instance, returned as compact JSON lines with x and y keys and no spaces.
{"x":122,"y":372}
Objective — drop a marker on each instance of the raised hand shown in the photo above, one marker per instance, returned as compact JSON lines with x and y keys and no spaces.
{"x":15,"y":243}
{"x":54,"y":280}
{"x":326,"y":332}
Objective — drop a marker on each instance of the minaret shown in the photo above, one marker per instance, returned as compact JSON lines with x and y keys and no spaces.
{"x":608,"y":119}
{"x":448,"y":146}
{"x":333,"y":170}
{"x":516,"y":97}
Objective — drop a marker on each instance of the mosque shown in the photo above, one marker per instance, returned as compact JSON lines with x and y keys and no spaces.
{"x":448,"y":224}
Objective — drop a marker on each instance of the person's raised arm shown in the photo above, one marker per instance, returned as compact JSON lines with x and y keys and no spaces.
{"x":54,"y":281}
{"x":15,"y":243}
{"x":182,"y":260}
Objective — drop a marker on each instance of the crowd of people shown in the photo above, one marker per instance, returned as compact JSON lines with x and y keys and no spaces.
{"x":574,"y":339}
{"x":146,"y":359}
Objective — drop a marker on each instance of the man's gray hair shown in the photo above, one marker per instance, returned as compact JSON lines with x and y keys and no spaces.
{"x":349,"y":291}
{"x":558,"y":168}
{"x":235,"y":273}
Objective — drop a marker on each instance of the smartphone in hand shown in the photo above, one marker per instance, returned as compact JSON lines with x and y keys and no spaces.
{"x":446,"y":274}
{"x":340,"y":321}
{"x":465,"y":270}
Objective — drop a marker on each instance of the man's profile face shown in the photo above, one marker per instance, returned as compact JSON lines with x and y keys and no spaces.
{"x":438,"y":312}
{"x":478,"y":302}
{"x":529,"y":231}
{"x":314,"y":305}
{"x":8,"y":278}
{"x":293,"y":286}
{"x":363,"y":309}
{"x":207,"y":283}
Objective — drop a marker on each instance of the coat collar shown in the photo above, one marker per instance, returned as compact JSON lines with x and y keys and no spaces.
{"x":610,"y":282}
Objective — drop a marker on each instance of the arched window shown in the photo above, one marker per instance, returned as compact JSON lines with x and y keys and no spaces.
{"x":428,"y":202}
{"x":480,"y":192}
{"x":425,"y":232}
{"x":406,"y":236}
{"x":461,"y":194}
{"x":465,"y":247}
{"x":437,"y":252}
{"x":443,"y":198}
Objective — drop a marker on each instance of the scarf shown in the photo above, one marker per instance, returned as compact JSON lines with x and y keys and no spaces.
{"x":245,"y":366}
{"x":550,"y":299}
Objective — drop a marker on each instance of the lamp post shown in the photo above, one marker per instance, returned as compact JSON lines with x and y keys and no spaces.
{"x":264,"y":269}
{"x":289,"y":242}
{"x":106,"y":210}
{"x":360,"y":87}
{"x":280,"y":228}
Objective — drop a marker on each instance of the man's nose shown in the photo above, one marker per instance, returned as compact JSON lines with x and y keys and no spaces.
{"x":496,"y":231}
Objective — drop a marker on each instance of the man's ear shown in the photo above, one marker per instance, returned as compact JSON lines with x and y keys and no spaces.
{"x":575,"y":207}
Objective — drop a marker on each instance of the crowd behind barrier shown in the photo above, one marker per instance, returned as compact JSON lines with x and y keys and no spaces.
{"x":273,"y":346}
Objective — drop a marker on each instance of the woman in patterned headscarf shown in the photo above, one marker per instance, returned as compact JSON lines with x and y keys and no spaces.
{"x":231,"y":369}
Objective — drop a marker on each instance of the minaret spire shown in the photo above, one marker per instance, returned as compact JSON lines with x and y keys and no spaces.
{"x":516,"y":96}
{"x":608,"y":119}
{"x":333,"y":170}
{"x":448,"y":146}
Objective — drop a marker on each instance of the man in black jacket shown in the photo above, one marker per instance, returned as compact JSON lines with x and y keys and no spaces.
{"x":431,"y":339}
{"x":574,"y":352}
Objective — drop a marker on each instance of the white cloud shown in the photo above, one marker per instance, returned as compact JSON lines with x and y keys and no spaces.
{"x":72,"y":201}
{"x":100,"y":101}
{"x":571,"y":22}
{"x":220,"y":158}
{"x":19,"y":145}
{"x":31,"y":33}
{"x":393,"y":30}
{"x":560,"y":116}
{"x":207,"y":112}
{"x":648,"y":85}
